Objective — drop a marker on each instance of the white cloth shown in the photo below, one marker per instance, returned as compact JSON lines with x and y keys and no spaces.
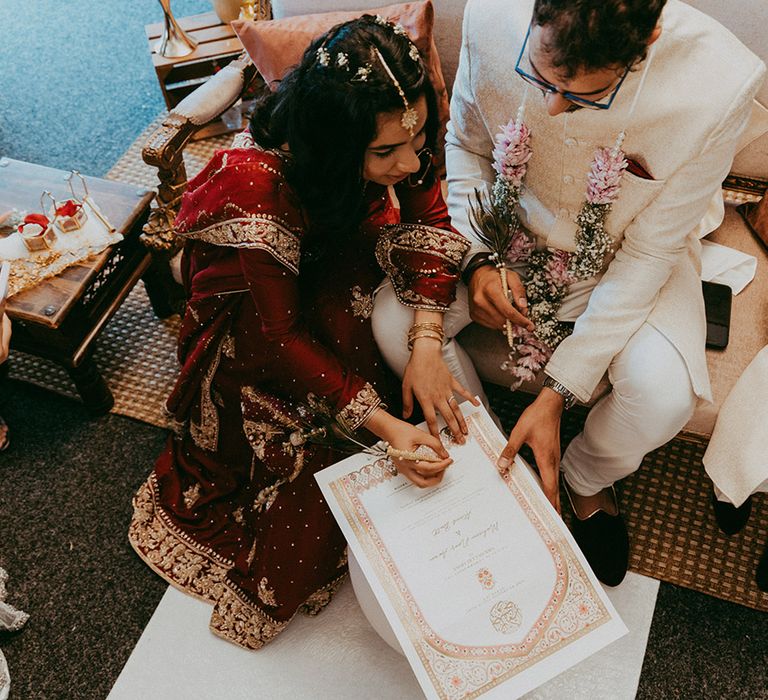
{"x":92,"y":237}
{"x":727,"y":266}
{"x":737,"y":455}
{"x":636,"y":417}
{"x":696,"y":102}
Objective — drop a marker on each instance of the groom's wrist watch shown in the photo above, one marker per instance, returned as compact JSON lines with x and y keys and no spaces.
{"x":568,"y":398}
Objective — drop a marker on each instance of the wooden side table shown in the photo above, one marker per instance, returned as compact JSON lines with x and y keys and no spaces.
{"x":60,"y":318}
{"x":178,"y":77}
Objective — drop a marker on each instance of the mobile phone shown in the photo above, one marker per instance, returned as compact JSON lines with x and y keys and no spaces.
{"x":717,"y":306}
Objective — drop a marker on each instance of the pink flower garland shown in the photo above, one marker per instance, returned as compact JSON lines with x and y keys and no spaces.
{"x":551,"y":271}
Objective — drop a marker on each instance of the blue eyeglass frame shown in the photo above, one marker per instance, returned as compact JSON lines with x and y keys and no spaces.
{"x":551,"y":89}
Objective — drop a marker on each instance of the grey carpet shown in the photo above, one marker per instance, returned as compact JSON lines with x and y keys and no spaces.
{"x":65,"y":504}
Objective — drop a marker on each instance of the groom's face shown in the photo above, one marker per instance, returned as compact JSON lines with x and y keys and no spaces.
{"x":594,"y":85}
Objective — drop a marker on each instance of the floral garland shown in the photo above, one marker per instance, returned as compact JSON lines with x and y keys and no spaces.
{"x":550,"y":271}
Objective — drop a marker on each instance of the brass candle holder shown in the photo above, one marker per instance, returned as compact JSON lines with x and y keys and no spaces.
{"x":255,"y":9}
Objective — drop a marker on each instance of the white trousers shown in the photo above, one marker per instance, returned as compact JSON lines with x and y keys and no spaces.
{"x":651,"y":400}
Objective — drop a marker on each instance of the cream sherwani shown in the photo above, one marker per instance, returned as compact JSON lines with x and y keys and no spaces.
{"x":694,"y":105}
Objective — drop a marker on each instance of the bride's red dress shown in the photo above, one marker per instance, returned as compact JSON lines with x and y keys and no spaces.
{"x":232,"y":513}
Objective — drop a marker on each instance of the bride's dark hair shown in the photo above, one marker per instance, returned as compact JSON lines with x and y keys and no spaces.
{"x":326,"y":114}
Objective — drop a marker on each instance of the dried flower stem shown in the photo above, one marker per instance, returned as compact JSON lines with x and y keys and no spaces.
{"x":505,"y":286}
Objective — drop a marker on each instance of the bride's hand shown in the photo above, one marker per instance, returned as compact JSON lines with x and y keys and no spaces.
{"x":422,"y":472}
{"x":428,"y":379}
{"x":408,"y":438}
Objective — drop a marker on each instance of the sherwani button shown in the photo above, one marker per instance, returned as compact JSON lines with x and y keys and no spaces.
{"x":570,"y":142}
{"x":568,"y":179}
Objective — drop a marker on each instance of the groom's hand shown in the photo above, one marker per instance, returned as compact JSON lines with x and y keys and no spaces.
{"x":487,"y":304}
{"x":539,"y":428}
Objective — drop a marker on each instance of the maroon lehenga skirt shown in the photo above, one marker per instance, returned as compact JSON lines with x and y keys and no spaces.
{"x":232,"y":513}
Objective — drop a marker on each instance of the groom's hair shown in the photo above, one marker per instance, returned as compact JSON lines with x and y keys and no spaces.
{"x":589,"y":35}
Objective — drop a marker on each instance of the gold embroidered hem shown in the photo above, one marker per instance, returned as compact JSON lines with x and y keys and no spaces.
{"x":171,"y":554}
{"x":240,"y":623}
{"x":265,"y":233}
{"x":359,"y":409}
{"x":198,"y":571}
{"x":319,"y":600}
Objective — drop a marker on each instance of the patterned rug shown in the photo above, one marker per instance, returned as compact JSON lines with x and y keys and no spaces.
{"x":666,"y":503}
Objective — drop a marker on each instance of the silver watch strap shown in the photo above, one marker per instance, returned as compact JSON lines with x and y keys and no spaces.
{"x":561,"y":389}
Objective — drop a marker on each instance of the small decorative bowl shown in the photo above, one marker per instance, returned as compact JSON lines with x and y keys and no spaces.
{"x":70,"y":216}
{"x":37,"y":232}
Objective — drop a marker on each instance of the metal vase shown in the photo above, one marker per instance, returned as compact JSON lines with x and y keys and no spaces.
{"x":174,"y":42}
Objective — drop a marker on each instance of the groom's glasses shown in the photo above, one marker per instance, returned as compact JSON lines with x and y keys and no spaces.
{"x":548,"y":89}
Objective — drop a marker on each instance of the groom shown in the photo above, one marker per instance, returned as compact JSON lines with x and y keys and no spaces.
{"x":680,"y":86}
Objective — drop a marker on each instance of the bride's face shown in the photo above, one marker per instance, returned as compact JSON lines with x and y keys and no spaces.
{"x":393,"y":153}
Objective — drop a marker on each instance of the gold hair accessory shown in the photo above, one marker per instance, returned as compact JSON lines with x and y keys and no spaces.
{"x":410,"y":116}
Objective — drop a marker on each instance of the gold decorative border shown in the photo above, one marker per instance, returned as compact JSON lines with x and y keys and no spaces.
{"x":257,"y":233}
{"x":418,"y":238}
{"x":426,"y":642}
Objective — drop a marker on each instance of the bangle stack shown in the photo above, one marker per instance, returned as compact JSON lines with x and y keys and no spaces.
{"x":425,"y":330}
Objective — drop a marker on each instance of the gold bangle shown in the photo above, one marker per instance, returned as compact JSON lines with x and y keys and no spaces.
{"x":426,"y":326}
{"x":424,"y":334}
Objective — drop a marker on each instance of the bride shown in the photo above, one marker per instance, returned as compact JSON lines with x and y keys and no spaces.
{"x":286,"y":238}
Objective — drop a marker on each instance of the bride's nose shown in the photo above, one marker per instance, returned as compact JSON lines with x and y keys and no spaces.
{"x":410,"y":162}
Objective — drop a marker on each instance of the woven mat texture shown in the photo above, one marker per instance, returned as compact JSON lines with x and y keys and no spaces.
{"x":666,"y":503}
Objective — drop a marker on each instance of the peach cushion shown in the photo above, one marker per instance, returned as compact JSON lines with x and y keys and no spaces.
{"x":277,"y":45}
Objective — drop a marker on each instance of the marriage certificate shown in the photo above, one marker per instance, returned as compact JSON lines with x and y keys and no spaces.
{"x":480,"y":580}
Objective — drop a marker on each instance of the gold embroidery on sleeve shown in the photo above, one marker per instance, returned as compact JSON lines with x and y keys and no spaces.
{"x":448,"y":246}
{"x":357,"y":411}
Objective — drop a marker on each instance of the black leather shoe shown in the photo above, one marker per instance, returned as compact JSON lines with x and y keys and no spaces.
{"x":729,"y":518}
{"x":761,"y":575}
{"x":604,"y":542}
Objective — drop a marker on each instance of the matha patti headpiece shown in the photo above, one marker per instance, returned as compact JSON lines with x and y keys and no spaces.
{"x":410,"y":116}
